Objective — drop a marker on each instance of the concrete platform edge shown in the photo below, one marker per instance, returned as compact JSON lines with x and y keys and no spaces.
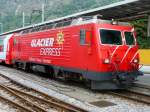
{"x":145,"y":69}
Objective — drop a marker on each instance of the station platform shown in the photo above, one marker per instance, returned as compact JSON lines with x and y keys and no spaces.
{"x":145,"y":69}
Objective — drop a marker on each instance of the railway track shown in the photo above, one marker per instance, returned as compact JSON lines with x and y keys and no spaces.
{"x":139,"y":88}
{"x":59,"y":86}
{"x":29,"y":100}
{"x":131,"y":95}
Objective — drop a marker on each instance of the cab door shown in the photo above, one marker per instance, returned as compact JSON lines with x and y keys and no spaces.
{"x":85,"y":44}
{"x":17,"y":48}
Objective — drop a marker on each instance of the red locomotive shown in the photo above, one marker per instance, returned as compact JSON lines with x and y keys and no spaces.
{"x":101,"y":52}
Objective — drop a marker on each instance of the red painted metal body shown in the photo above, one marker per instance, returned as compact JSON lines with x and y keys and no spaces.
{"x":71,"y":54}
{"x":63,"y":50}
{"x":9,"y":51}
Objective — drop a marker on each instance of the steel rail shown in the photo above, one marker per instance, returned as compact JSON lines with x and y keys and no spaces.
{"x":35,"y":107}
{"x":16,"y":105}
{"x":139,"y":97}
{"x":50,"y":102}
{"x":62,"y":102}
{"x":142,"y":86}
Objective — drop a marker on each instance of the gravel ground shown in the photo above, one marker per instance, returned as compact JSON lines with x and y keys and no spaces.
{"x":78,"y":92}
{"x":6,"y":108}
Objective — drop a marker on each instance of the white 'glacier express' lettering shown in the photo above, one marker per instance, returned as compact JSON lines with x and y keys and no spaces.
{"x":50,"y":51}
{"x":46,"y":47}
{"x":45,"y":42}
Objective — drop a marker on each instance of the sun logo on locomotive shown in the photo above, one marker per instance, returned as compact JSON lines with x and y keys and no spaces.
{"x":60,"y":38}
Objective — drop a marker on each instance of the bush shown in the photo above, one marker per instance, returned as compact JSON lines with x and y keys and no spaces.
{"x":144,"y":43}
{"x":141,"y":30}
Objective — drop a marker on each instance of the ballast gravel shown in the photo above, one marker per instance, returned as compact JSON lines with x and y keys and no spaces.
{"x":6,"y":108}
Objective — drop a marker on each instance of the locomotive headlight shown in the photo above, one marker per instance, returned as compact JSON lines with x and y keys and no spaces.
{"x":106,"y":61}
{"x":135,"y":60}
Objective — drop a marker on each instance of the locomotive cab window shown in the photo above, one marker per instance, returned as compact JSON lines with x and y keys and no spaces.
{"x":129,"y":37}
{"x":110,"y":37}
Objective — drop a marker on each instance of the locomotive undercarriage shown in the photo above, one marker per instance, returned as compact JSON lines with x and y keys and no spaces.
{"x":117,"y":80}
{"x":94,"y":80}
{"x":50,"y":71}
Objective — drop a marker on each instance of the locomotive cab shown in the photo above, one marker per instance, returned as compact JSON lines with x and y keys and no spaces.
{"x":118,"y":55}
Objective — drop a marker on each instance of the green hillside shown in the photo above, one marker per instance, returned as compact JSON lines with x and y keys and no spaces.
{"x":11,"y":10}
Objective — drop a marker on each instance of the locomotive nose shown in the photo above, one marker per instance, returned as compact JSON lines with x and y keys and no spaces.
{"x":125,"y":58}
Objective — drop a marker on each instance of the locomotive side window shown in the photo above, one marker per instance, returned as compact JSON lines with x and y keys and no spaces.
{"x":110,"y":37}
{"x":82,"y":36}
{"x":129,"y":37}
